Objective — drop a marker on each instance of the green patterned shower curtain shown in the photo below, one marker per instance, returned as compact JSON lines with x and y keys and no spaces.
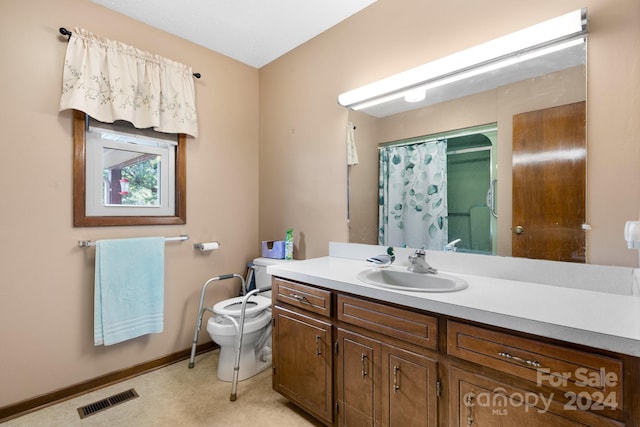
{"x":413,"y":195}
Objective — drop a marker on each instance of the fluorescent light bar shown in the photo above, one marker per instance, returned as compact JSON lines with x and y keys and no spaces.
{"x":515,"y":47}
{"x":415,"y":95}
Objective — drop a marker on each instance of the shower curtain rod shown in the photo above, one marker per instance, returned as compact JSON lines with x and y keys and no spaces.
{"x":412,"y":141}
{"x":87,"y":243}
{"x":439,"y":136}
{"x":68,"y":33}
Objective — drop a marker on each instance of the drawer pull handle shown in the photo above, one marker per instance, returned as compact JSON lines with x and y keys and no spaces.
{"x":364,"y":365}
{"x":396,"y":382}
{"x":468,"y":402}
{"x":300,"y":298}
{"x":533,"y":363}
{"x":318,"y":351}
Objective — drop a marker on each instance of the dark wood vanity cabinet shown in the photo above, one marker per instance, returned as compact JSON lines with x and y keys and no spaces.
{"x":358,"y":378}
{"x":302,"y":348}
{"x":387,"y":374}
{"x":545,"y":384}
{"x":409,"y":388}
{"x":350,"y":361}
{"x":381,"y":384}
{"x":480,"y":400}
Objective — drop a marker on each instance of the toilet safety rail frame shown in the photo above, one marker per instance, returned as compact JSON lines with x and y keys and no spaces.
{"x":239,"y":327}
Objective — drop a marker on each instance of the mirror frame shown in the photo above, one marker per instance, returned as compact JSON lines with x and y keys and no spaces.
{"x":80,"y":218}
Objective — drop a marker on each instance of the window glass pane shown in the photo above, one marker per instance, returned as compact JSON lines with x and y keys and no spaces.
{"x":129,"y":175}
{"x":131,"y":178}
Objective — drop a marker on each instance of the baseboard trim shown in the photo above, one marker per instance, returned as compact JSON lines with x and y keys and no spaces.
{"x":21,"y":408}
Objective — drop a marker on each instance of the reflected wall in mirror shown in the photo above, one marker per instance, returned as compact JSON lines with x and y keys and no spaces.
{"x":556,"y":83}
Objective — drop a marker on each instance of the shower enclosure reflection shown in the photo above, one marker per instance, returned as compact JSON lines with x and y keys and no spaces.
{"x":437,"y":190}
{"x":471,"y":185}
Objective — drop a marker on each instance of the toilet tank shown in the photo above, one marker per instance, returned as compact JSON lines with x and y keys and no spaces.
{"x":263,"y":279}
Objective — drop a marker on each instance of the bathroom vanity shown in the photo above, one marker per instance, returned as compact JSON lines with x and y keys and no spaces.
{"x":350,"y":353}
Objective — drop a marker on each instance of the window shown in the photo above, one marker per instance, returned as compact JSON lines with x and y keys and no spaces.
{"x":127,"y":176}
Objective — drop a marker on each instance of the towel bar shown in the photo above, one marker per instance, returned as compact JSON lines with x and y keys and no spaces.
{"x":86,"y":243}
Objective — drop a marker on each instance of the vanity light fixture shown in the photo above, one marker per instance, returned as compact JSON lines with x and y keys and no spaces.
{"x":540,"y":39}
{"x":415,"y":95}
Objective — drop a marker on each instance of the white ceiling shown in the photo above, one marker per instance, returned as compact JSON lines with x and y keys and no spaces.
{"x":254,"y":32}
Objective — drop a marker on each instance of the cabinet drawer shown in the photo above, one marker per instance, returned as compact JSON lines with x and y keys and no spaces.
{"x":306,"y":297}
{"x":479,"y":400}
{"x":416,"y":328}
{"x":572,"y":374}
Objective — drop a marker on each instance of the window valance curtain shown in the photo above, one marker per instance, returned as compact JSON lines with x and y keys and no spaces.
{"x":112,"y":81}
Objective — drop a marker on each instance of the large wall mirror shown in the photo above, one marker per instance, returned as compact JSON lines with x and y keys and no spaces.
{"x":506,"y":102}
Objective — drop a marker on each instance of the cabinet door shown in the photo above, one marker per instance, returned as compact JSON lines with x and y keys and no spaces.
{"x":358,"y":378}
{"x":409,"y":384}
{"x":477,"y":400}
{"x":302,"y":361}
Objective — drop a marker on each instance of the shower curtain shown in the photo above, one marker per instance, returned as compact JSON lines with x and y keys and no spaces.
{"x":413,"y":195}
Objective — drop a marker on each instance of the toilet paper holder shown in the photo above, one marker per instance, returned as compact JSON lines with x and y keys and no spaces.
{"x":206,"y":246}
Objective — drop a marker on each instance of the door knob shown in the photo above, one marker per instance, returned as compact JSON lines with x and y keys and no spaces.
{"x":519,"y":229}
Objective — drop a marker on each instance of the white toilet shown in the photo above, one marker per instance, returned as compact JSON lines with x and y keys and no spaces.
{"x":255,"y":352}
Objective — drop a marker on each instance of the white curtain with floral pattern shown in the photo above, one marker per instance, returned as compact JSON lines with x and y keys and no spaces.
{"x":413,"y":195}
{"x":112,"y":81}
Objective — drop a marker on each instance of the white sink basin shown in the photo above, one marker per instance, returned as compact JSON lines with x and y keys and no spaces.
{"x":403,"y":279}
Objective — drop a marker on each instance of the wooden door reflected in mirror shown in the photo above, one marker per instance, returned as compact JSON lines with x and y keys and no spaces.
{"x":549,"y":174}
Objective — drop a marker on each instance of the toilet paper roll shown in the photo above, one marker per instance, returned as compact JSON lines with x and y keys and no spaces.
{"x":208,"y":246}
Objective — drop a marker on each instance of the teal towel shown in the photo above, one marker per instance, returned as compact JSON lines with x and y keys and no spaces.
{"x":129,"y":289}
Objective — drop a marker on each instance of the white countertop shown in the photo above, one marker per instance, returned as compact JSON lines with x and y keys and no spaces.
{"x":602,"y":320}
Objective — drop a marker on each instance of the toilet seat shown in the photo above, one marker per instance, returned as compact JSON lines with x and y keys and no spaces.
{"x":232,"y":306}
{"x":219,"y":326}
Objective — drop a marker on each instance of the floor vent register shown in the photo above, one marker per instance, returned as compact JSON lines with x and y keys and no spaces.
{"x":109,"y":402}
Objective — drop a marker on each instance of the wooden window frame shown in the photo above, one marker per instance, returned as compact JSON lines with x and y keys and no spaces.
{"x":80,"y":218}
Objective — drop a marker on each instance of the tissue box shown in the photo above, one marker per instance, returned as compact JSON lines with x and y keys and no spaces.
{"x":273,"y":249}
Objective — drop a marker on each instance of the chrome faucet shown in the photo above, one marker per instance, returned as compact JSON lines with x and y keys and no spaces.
{"x":418,"y":263}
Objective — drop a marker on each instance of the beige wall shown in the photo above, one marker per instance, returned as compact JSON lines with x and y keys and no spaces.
{"x":302,"y":131}
{"x":46,"y":280}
